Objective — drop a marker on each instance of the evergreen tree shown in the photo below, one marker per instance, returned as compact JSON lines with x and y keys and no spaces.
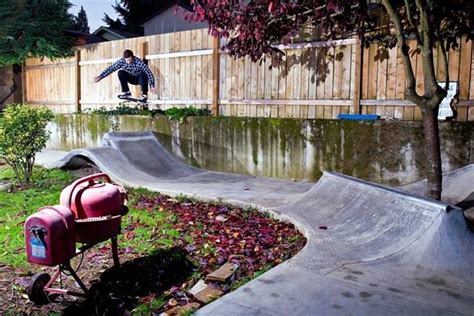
{"x":132,"y":13}
{"x":81,"y":23}
{"x":34,"y":28}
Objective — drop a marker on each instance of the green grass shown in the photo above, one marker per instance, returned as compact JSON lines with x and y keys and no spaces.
{"x":149,"y":308}
{"x":16,"y":206}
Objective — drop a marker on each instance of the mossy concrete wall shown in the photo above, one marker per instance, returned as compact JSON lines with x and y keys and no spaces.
{"x":381,"y":151}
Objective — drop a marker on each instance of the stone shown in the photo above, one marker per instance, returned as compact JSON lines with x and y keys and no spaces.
{"x":198,"y":287}
{"x":208,"y":294}
{"x":223,"y":273}
{"x":221,"y":218}
{"x":5,"y":186}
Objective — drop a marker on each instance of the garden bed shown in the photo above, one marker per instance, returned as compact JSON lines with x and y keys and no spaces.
{"x":167,"y":245}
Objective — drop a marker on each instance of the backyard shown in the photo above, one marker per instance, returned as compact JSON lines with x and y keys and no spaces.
{"x":167,"y":245}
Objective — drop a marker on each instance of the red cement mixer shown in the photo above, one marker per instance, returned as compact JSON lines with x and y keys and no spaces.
{"x":90,"y":211}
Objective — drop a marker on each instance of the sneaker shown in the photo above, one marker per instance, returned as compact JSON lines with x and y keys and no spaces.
{"x":124,"y":95}
{"x":142,"y":99}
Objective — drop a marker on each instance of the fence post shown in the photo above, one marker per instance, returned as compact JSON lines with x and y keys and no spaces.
{"x":144,"y":51}
{"x":77,"y":100}
{"x":23,"y":82}
{"x":358,"y":74}
{"x":215,"y":76}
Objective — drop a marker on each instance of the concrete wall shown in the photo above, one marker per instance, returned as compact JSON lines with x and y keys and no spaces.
{"x":386,"y":152}
{"x":168,"y":22}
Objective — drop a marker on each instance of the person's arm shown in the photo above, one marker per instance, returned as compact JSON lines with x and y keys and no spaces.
{"x":114,"y":67}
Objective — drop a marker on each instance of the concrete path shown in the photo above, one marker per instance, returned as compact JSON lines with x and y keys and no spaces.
{"x":384,"y":251}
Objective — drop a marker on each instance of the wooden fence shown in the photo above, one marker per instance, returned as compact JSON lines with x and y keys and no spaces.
{"x":315,"y":80}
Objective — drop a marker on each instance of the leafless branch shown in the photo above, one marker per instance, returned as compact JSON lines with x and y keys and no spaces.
{"x":411,"y":81}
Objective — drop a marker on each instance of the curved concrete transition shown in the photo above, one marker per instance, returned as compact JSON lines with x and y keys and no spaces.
{"x":384,"y":251}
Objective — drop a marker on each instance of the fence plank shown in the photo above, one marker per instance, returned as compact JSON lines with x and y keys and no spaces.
{"x":471,"y":88}
{"x":215,"y":77}
{"x":382,"y":74}
{"x":400,"y":79}
{"x":453,"y":62}
{"x":328,"y":83}
{"x":356,"y":76}
{"x":372,"y":73}
{"x":391,"y":73}
{"x":337,"y":82}
{"x":465,"y":69}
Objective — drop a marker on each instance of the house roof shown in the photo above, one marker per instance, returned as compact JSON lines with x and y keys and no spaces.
{"x":88,"y":38}
{"x":119,"y":34}
{"x":185,"y":4}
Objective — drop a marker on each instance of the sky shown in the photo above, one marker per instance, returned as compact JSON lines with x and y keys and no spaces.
{"x":95,"y":10}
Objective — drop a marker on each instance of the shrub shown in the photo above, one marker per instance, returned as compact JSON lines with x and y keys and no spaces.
{"x":23,"y":133}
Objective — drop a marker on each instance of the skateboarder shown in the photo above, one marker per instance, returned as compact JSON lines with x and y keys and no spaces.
{"x":131,"y":69}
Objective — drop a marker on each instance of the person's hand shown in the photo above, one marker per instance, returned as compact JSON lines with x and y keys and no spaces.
{"x":153,"y":89}
{"x":96,"y":79}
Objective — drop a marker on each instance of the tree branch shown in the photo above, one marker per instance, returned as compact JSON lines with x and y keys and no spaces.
{"x":411,"y":21}
{"x":409,"y":15}
{"x":431,"y":85}
{"x":410,"y":93}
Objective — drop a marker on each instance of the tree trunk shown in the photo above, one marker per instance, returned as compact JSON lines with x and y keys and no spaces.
{"x":434,"y":174}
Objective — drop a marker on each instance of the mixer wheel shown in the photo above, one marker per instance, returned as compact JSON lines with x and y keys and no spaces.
{"x":35,"y":290}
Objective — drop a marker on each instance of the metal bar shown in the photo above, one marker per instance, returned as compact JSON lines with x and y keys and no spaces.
{"x":115,"y":255}
{"x":54,"y":277}
{"x":67,"y":266}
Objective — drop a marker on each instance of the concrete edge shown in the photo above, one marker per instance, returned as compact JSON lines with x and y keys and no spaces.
{"x":378,"y":187}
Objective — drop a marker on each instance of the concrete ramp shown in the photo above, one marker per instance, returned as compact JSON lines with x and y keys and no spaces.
{"x":139,"y":160}
{"x":364,"y":221}
{"x":371,"y":250}
{"x":457,"y":185}
{"x":383,"y":252}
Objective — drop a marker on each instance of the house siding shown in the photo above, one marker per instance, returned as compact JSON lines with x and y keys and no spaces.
{"x":168,"y":22}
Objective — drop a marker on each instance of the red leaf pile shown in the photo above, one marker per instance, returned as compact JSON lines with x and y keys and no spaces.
{"x":222,"y":233}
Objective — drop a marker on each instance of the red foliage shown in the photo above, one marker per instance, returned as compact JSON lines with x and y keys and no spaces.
{"x":251,"y":27}
{"x":222,"y":233}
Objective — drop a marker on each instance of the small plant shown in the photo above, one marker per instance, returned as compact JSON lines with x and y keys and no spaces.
{"x":174,"y":113}
{"x":180,"y":114}
{"x":23,"y":133}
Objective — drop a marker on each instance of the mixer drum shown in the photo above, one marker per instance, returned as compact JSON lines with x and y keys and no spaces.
{"x":88,"y":197}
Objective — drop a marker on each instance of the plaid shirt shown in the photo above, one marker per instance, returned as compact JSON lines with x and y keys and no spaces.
{"x":135,"y":68}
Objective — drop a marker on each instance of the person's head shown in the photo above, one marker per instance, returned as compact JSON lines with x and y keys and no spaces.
{"x":128,"y":55}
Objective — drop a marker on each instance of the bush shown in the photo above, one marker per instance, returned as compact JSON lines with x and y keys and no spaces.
{"x":23,"y":133}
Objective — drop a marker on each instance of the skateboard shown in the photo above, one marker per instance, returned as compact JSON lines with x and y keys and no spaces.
{"x":139,"y":102}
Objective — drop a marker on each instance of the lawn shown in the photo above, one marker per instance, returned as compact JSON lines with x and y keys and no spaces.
{"x":166,"y":246}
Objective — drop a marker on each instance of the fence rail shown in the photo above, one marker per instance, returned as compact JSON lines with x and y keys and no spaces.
{"x":315,"y":80}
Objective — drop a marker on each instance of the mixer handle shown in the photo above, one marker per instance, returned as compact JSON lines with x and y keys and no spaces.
{"x":87,"y":179}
